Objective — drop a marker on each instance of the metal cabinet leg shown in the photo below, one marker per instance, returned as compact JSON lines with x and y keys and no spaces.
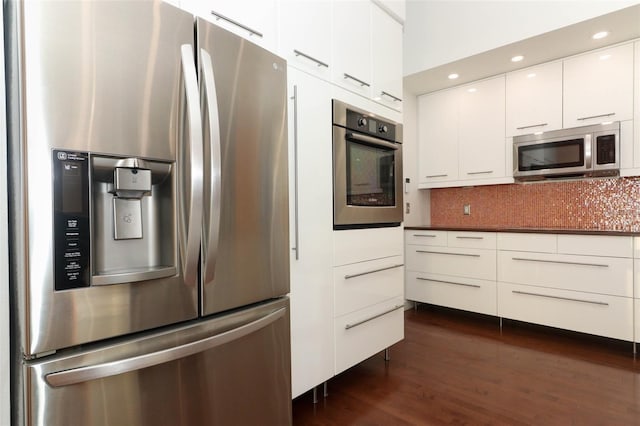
{"x":326,"y":393}
{"x":386,"y":355}
{"x":315,"y":394}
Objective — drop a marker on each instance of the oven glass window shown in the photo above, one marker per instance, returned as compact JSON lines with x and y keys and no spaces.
{"x":370,"y":175}
{"x":551,"y":155}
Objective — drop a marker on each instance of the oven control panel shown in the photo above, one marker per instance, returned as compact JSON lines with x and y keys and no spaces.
{"x":370,"y":125}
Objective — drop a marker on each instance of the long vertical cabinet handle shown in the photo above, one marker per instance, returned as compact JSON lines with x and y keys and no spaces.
{"x":190,"y":170}
{"x":213,"y":147}
{"x":296,"y":248}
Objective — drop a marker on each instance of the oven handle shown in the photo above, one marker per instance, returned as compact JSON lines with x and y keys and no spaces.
{"x":371,"y":140}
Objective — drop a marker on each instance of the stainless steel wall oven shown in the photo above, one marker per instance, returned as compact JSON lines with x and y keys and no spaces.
{"x":367,"y":169}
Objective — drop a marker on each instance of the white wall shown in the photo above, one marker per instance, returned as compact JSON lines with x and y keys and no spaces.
{"x":418,"y":199}
{"x":437,"y":32}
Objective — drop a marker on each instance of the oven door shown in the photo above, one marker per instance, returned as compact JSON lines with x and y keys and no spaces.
{"x":553,"y":157}
{"x":367,"y":178}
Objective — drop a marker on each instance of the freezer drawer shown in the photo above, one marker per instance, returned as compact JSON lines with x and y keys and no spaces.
{"x":230,"y":370}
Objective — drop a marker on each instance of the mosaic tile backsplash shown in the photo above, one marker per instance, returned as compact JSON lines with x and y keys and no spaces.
{"x":597,"y":204}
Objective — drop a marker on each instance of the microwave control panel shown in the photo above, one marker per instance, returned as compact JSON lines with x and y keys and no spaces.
{"x":373,"y":126}
{"x":71,"y":219}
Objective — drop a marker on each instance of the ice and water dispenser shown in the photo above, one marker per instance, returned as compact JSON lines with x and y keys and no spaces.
{"x":114,"y":220}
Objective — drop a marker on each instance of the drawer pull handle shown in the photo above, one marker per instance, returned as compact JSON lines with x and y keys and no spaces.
{"x":311,"y":58}
{"x":609,"y":114}
{"x":251,"y":31}
{"x":444,"y":252}
{"x":561,"y":262}
{"x":357,"y":80}
{"x":425,"y":235}
{"x":435,"y":176}
{"x":355,"y":324}
{"x":449,"y":282}
{"x":485,"y":172}
{"x":470,"y":238}
{"x":346,"y":277}
{"x":389,"y":95}
{"x":531,"y":126}
{"x":593,"y":302}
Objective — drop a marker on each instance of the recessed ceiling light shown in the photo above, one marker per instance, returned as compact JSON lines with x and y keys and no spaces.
{"x":599,"y":35}
{"x":604,"y":57}
{"x":538,"y":133}
{"x":517,"y":58}
{"x":472,"y":89}
{"x":533,"y":74}
{"x":453,"y":76}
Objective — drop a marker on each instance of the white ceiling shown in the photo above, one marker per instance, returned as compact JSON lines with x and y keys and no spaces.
{"x":623,"y":24}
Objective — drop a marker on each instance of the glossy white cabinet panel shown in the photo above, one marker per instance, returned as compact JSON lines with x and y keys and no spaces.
{"x":426,"y":237}
{"x":482,"y":130}
{"x":636,"y":128}
{"x":541,"y":243}
{"x":596,"y":245}
{"x":311,"y":197}
{"x":363,"y":284}
{"x":468,"y":294}
{"x":438,"y":138}
{"x":386,"y":41}
{"x":479,"y":240}
{"x":534,"y":99}
{"x":470,"y":263}
{"x":360,"y":245}
{"x":598,"y":87}
{"x":598,"y":314}
{"x":595,"y":274}
{"x":368,"y":331}
{"x":304,"y":35}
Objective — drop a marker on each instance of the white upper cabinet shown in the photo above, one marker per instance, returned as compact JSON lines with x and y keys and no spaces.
{"x":304,"y":36}
{"x":481,"y":130}
{"x":438,"y":138}
{"x":534,"y":99}
{"x":386,"y":41}
{"x":598,"y":87}
{"x":352,"y":45}
{"x":254,"y":20}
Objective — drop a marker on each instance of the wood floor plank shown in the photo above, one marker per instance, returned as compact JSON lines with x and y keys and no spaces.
{"x":459,"y":368}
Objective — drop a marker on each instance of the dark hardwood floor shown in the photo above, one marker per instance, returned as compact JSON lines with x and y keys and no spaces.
{"x":460,"y":368}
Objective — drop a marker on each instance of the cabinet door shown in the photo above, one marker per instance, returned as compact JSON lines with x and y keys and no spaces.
{"x":482,"y":134}
{"x":305,"y":35}
{"x":310,"y":165}
{"x":534,"y":99}
{"x":636,"y":128}
{"x":599,"y":87}
{"x":254,"y":20}
{"x":386,"y":59}
{"x":438,"y":137}
{"x":352,"y":45}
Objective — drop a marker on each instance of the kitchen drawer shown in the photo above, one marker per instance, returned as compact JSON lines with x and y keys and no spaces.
{"x":363,"y":284}
{"x":596,"y":245}
{"x":359,"y":245}
{"x":480,"y":240}
{"x":636,"y":306}
{"x":598,"y":314}
{"x":426,"y":238}
{"x":604,"y":275}
{"x":460,"y":293}
{"x":364,"y":333}
{"x":636,"y":247}
{"x":472,"y":263}
{"x":542,"y":243}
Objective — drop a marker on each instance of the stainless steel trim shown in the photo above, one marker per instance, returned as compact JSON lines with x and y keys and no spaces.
{"x":99,"y":371}
{"x":237,"y":24}
{"x":449,"y":282}
{"x":311,"y":58}
{"x":190,"y":235}
{"x":480,"y":173}
{"x":355,"y":324}
{"x":444,"y":252}
{"x":596,"y":116}
{"x":587,"y":151}
{"x":126,"y":277}
{"x":211,"y":238}
{"x":531,"y":126}
{"x":295,"y":173}
{"x":571,"y":299}
{"x":389,"y":95}
{"x":462,"y":237}
{"x":425,"y":235}
{"x":371,"y":140}
{"x":436,"y":176}
{"x":350,"y":77}
{"x":346,"y":277}
{"x":599,"y":265}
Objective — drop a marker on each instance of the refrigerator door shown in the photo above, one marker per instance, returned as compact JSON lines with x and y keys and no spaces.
{"x":229,"y":370}
{"x":104,"y":84}
{"x":245,"y":239}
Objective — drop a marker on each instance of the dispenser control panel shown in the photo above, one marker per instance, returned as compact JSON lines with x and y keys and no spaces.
{"x":71,"y":219}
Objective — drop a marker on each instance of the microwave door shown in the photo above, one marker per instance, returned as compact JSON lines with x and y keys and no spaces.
{"x":553,"y":157}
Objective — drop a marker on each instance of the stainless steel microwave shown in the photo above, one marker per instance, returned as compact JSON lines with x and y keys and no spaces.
{"x":586,"y":151}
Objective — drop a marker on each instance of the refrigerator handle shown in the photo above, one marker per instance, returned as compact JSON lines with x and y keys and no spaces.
{"x":190,"y":169}
{"x":100,"y":371}
{"x":213,"y":204}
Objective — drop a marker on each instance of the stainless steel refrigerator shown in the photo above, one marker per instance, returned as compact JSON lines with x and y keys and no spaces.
{"x":148,"y":218}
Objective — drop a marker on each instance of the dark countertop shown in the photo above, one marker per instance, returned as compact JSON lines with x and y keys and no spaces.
{"x":529,"y":230}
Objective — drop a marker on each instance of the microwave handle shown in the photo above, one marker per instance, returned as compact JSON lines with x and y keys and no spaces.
{"x":371,"y":141}
{"x":587,"y":152}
